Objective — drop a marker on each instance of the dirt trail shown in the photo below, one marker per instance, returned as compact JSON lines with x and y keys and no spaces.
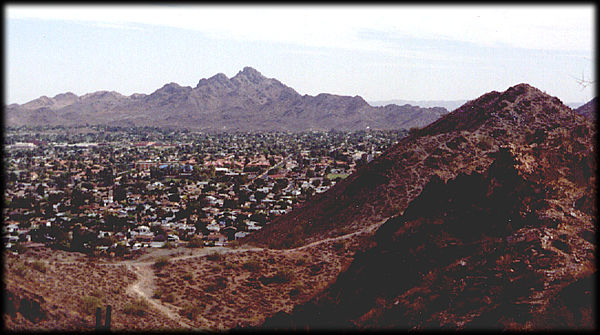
{"x":144,"y":287}
{"x":366,"y":230}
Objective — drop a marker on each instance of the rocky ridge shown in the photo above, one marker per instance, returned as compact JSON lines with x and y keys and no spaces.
{"x":492,"y":217}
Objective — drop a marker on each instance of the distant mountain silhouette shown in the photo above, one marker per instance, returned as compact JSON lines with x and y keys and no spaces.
{"x":448,"y":104}
{"x":247,"y":102}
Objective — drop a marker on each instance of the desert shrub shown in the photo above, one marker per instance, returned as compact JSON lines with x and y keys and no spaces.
{"x":338,"y":245}
{"x":169,"y":297}
{"x":18,"y":247}
{"x":252,"y":265}
{"x":97,"y":293}
{"x":221,"y":282}
{"x":39,"y":266}
{"x":484,"y":142}
{"x":414,"y":131}
{"x":300,"y":261}
{"x":504,"y":261}
{"x":157,"y":294}
{"x":137,"y":307}
{"x":296,"y":289}
{"x":188,"y":276}
{"x":161,"y":262}
{"x":20,"y":269}
{"x":282,"y":276}
{"x":215,"y":256}
{"x":90,"y":303}
{"x":190,"y":311}
{"x":195,"y":242}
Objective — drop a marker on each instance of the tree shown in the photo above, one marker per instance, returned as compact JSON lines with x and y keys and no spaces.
{"x":119,"y":193}
{"x":40,"y":189}
{"x":259,"y":195}
{"x":77,"y":198}
{"x":316,"y":182}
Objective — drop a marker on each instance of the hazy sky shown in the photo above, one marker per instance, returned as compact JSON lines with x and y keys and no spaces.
{"x":377,"y":52}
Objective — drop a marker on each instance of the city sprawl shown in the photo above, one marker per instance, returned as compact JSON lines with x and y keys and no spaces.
{"x":116,"y":191}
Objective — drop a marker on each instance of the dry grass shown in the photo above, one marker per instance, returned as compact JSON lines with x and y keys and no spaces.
{"x":72,"y":291}
{"x":243,"y":288}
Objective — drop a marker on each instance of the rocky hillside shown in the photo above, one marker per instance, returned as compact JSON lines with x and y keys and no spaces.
{"x":588,"y":110}
{"x":247,"y":102}
{"x":492,"y":224}
{"x":460,"y":142}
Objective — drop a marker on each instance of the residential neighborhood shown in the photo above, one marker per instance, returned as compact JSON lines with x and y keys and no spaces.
{"x":117,"y":191}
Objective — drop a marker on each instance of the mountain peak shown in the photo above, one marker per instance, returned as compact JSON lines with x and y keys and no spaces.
{"x":172,"y":88}
{"x":65,"y":95}
{"x":250,"y":74}
{"x":220,"y":78}
{"x":247,"y":70}
{"x":519,"y":103}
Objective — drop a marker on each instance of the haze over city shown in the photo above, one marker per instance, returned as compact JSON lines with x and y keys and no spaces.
{"x":377,"y":52}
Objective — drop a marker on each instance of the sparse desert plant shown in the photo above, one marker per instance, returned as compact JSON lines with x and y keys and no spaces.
{"x":296,"y":289}
{"x":137,"y":307}
{"x":20,"y":269}
{"x":161,"y":262}
{"x":19,"y":248}
{"x":169,"y":297}
{"x":157,"y":294}
{"x":338,"y":245}
{"x":300,"y":261}
{"x":414,"y":131}
{"x":219,"y":284}
{"x":97,"y":293}
{"x":39,"y":266}
{"x":188,"y":276}
{"x":282,"y":276}
{"x":195,"y":242}
{"x":215,"y":256}
{"x":190,"y":311}
{"x":90,"y":303}
{"x":504,"y":261}
{"x":252,"y":265}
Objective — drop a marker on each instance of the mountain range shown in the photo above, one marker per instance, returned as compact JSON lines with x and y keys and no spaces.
{"x":448,"y":104}
{"x":246,"y":102}
{"x":484,"y":219}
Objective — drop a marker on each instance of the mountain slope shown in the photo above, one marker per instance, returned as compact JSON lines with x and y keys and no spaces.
{"x":459,"y":142}
{"x":588,"y":110}
{"x":247,"y":102}
{"x":493,"y":217}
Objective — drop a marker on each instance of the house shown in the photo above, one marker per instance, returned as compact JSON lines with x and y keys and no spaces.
{"x":10,"y":228}
{"x":240,"y":234}
{"x":229,"y":231}
{"x":217,"y":238}
{"x":102,"y":234}
{"x":251,"y":225}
